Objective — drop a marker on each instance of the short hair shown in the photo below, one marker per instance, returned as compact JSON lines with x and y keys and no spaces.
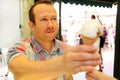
{"x":93,"y":17}
{"x":31,"y":14}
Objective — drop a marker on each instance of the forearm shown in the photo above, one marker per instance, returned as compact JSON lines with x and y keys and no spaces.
{"x":44,"y":69}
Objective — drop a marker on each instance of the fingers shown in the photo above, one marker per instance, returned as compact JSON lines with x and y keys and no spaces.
{"x":83,"y":63}
{"x":82,"y":52}
{"x":81,"y":56}
{"x":74,"y":66}
{"x":87,"y":66}
{"x":83,"y":69}
{"x":82,"y":48}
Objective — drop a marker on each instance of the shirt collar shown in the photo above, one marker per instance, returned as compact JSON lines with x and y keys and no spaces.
{"x":37,"y":48}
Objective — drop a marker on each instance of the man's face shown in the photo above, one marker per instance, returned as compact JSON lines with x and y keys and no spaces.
{"x":46,"y":25}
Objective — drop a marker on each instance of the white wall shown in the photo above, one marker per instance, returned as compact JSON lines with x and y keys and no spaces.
{"x":9,"y":22}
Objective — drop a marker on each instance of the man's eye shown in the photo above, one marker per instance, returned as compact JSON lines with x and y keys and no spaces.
{"x":44,"y":19}
{"x":54,"y":19}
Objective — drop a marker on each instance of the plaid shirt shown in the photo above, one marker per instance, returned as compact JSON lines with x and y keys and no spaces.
{"x":34,"y":51}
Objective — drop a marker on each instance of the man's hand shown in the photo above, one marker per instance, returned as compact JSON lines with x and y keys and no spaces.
{"x":80,"y":58}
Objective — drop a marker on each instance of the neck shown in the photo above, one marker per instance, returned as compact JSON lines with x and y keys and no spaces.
{"x":48,"y":46}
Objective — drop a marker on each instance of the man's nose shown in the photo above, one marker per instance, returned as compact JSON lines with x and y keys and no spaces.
{"x":50,"y":23}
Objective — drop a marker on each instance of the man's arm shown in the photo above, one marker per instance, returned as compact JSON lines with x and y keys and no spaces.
{"x":22,"y":66}
{"x":75,"y":59}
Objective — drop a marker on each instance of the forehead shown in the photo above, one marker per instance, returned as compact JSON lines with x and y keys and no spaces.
{"x":44,"y":9}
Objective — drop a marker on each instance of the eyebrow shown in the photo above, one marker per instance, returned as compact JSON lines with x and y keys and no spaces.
{"x":47,"y":16}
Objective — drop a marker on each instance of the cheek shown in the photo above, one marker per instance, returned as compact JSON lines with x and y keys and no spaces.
{"x":40,"y":27}
{"x":56,"y":26}
{"x":56,"y":29}
{"x":38,"y":30}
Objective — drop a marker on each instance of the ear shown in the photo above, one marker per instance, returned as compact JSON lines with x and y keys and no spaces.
{"x":31,"y":25}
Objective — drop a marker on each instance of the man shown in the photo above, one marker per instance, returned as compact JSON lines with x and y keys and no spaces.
{"x":42,"y":57}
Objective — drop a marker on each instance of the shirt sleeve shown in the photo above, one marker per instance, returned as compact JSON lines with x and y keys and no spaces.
{"x":16,"y":50}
